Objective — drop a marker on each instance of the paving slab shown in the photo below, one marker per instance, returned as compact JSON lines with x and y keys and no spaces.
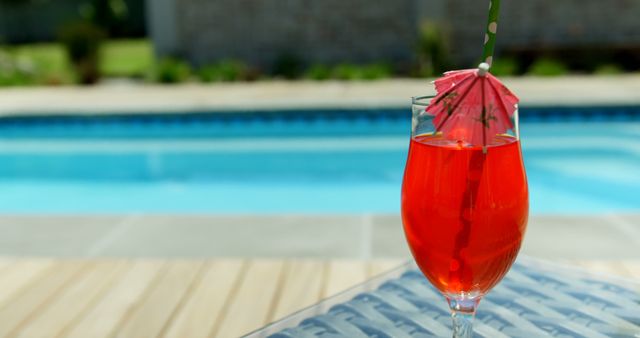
{"x":59,"y":236}
{"x":240,"y":236}
{"x":388,"y":238}
{"x":364,"y":236}
{"x":581,"y":237}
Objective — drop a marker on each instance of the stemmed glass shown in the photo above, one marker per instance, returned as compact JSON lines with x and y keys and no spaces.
{"x":464,"y":209}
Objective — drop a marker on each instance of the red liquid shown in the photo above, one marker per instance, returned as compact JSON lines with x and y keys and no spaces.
{"x":464,"y":212}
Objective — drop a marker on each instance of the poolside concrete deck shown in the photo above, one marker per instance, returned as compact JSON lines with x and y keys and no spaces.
{"x":368,"y":236}
{"x":132,"y":98}
{"x":48,"y":298}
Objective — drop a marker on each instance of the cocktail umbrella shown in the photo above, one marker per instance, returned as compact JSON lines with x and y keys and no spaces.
{"x":472,"y":106}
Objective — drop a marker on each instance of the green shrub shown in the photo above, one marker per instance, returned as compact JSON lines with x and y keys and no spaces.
{"x":82,"y":42}
{"x":547,"y":67}
{"x":16,"y":71}
{"x":504,"y":67}
{"x":49,"y":60}
{"x":126,"y":58}
{"x":375,"y":71}
{"x":608,"y":69}
{"x":347,"y":71}
{"x":106,"y":14}
{"x":288,"y":66}
{"x":318,"y":73}
{"x":49,"y":63}
{"x":171,"y":70}
{"x":433,"y":51}
{"x":226,"y":70}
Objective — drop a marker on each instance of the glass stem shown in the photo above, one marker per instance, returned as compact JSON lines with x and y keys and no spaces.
{"x":463,"y":312}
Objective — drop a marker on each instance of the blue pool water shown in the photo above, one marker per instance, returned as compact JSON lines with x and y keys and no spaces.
{"x":289,"y":163}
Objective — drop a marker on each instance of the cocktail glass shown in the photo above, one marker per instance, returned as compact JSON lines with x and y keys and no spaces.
{"x":464,"y":210}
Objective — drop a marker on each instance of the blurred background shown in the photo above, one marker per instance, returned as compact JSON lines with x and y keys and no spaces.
{"x":282,"y":115}
{"x":300,"y":108}
{"x":210,"y":120}
{"x":81,"y":41}
{"x":168,"y":131}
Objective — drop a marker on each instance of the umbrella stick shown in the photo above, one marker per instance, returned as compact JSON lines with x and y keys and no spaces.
{"x":483,"y":117}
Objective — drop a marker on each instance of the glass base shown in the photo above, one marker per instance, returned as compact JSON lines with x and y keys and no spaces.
{"x":463,"y":311}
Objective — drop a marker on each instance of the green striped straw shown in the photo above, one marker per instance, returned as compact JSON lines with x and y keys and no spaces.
{"x":492,"y":28}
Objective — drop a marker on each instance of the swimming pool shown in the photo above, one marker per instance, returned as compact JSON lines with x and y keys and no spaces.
{"x":578,"y":161}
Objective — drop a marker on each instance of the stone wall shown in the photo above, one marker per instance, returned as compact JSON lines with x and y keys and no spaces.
{"x":544,"y":25}
{"x":335,"y":31}
{"x":324,"y":31}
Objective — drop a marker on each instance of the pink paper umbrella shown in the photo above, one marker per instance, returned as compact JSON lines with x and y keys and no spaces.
{"x":472,"y":106}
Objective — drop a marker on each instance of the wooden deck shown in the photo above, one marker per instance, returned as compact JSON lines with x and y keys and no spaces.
{"x":43,"y":298}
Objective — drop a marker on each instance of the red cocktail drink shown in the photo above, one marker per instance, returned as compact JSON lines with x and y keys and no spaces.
{"x":464,"y":210}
